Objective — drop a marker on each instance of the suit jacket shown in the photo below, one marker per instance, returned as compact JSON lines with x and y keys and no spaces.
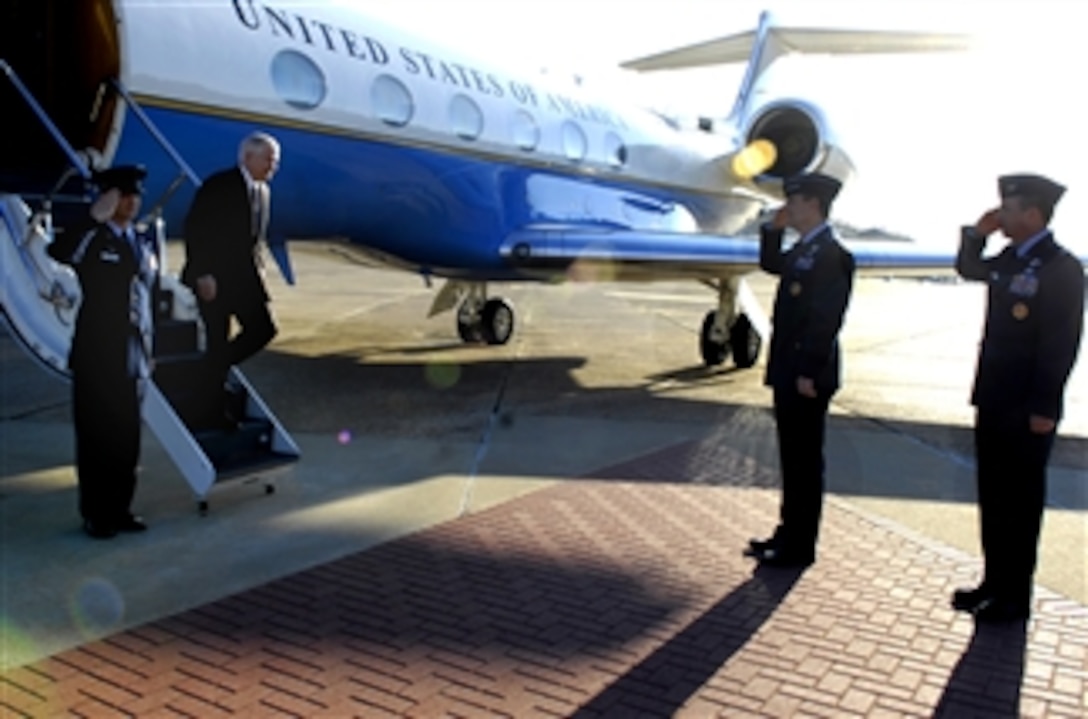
{"x":219,"y":240}
{"x":816,"y":279}
{"x":108,"y":326}
{"x":1034,"y":321}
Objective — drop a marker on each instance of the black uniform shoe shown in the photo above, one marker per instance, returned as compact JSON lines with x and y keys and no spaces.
{"x":758,"y":546}
{"x":98,"y":530}
{"x":131,"y":523}
{"x":781,"y":557}
{"x":998,"y":609}
{"x":968,"y":600}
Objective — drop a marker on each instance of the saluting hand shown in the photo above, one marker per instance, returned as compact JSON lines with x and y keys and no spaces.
{"x":780,"y":219}
{"x":989,"y":222}
{"x":105,"y":205}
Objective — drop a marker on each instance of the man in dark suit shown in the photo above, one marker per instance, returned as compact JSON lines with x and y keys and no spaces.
{"x":227,"y":218}
{"x":110,"y":355}
{"x":816,"y":278}
{"x":1034,"y":321}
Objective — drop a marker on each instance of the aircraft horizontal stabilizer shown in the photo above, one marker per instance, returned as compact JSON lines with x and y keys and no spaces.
{"x":738,"y":48}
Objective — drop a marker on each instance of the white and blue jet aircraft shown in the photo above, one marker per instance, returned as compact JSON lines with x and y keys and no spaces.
{"x":431,"y":159}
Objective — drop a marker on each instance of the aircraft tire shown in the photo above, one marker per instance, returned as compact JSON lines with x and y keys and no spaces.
{"x":497,"y":321}
{"x":712,"y":350}
{"x":469,"y":332}
{"x":744,"y":342}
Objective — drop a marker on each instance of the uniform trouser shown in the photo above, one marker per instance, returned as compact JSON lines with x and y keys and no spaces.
{"x":106,"y":413}
{"x":1011,"y":480}
{"x":801,"y":423}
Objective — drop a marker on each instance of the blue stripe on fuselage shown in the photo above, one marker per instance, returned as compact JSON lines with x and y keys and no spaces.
{"x":434,"y":210}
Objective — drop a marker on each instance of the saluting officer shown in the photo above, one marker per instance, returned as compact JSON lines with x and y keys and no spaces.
{"x":816,"y":278}
{"x":1034,"y":320}
{"x":110,"y":354}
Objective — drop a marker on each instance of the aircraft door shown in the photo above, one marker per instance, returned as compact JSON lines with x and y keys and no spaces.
{"x":63,"y":52}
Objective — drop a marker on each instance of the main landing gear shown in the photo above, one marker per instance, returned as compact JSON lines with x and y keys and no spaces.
{"x":480,"y":319}
{"x":727,"y":331}
{"x":740,"y":340}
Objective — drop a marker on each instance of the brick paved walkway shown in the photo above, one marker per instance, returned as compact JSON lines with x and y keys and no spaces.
{"x":622,"y":594}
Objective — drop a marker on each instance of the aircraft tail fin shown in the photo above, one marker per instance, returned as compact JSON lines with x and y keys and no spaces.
{"x":764,"y":45}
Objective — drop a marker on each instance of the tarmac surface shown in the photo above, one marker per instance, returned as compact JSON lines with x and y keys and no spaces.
{"x":548,"y":528}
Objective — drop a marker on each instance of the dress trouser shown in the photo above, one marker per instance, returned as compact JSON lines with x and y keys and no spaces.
{"x":257,"y":330}
{"x":106,"y":414}
{"x":801,"y":423}
{"x":1011,"y":480}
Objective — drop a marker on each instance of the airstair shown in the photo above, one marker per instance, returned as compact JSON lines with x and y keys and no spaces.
{"x":39,"y":299}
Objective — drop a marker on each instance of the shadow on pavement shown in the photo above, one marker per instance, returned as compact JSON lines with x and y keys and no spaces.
{"x":662,"y":682}
{"x":986,"y":680}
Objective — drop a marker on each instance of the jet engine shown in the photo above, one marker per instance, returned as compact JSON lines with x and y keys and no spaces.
{"x":802,"y":140}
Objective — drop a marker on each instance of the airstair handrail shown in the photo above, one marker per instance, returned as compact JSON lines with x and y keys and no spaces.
{"x":64,"y":145}
{"x":159,"y":137}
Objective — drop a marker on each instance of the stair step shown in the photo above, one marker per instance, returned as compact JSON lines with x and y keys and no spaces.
{"x":252,"y":438}
{"x":254,"y":464}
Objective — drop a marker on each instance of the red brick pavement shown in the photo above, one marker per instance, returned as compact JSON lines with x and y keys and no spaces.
{"x":622,"y":594}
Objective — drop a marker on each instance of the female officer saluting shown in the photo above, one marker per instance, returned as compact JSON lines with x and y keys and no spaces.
{"x":110,"y":355}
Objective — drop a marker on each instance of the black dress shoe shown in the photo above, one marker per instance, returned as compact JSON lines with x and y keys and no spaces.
{"x":131,"y":524}
{"x":99,"y":530}
{"x":760,"y":545}
{"x":781,"y":557}
{"x":999,"y":609}
{"x":968,"y":600}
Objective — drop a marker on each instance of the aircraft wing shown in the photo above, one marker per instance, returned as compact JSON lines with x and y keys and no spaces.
{"x":638,"y":254}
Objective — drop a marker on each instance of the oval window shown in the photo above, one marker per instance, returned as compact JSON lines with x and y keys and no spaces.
{"x":615,"y":150}
{"x":466,"y":118}
{"x":391,"y":101}
{"x":298,"y":80}
{"x":575,"y":144}
{"x":525,"y":130}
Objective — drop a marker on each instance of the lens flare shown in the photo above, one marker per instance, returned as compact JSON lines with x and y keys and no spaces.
{"x":14,"y":645}
{"x":758,"y":157}
{"x":442,"y":375}
{"x":97,"y":607}
{"x":344,"y":436}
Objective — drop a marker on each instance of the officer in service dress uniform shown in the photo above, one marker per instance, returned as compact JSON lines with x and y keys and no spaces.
{"x":1034,"y":319}
{"x":110,"y":356}
{"x":816,"y":278}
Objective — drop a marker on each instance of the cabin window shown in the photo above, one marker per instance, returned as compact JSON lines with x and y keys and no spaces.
{"x":575,"y":144}
{"x":615,"y":150}
{"x":298,"y":80}
{"x":391,"y":101}
{"x":466,"y":118}
{"x":525,"y":130}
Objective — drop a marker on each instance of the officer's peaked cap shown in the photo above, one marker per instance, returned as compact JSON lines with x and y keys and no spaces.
{"x":1043,"y":189}
{"x":813,"y":184}
{"x":126,"y":178}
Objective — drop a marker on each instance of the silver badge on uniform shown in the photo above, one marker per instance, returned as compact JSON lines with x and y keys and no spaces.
{"x":1024,"y":285}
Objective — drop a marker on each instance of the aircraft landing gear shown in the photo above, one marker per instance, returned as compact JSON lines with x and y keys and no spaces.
{"x":728,"y":330}
{"x":741,"y":340}
{"x":490,"y":321}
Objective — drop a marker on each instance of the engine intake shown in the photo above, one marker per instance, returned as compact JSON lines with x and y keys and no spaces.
{"x":798,"y":133}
